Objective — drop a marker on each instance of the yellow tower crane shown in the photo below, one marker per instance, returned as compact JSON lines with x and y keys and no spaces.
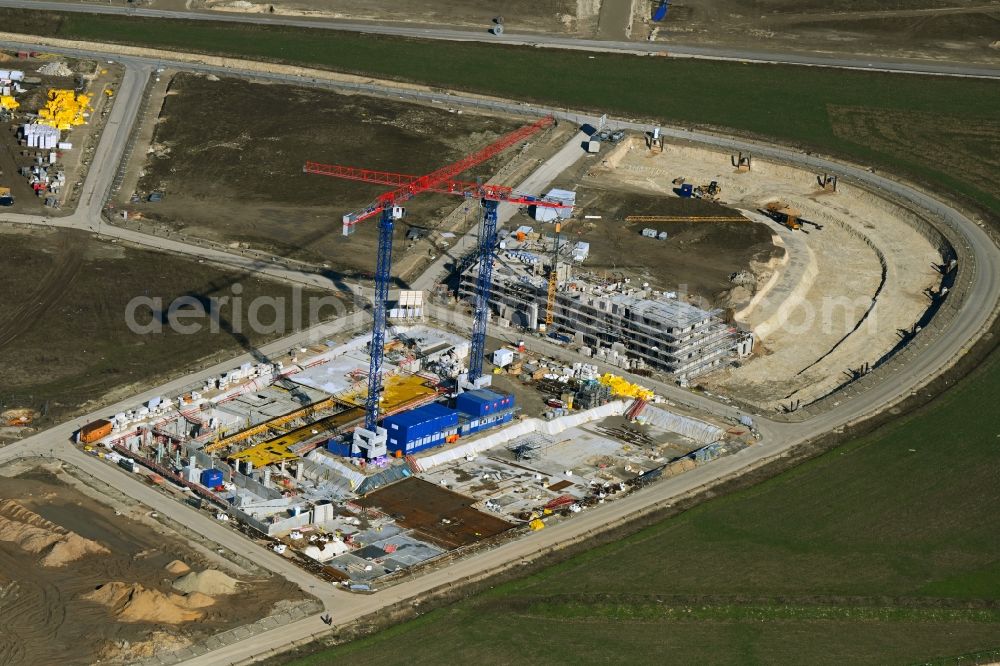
{"x":550,"y":309}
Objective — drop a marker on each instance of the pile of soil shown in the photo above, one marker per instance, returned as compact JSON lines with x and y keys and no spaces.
{"x":134,"y":603}
{"x":210,"y":581}
{"x":34,"y":534}
{"x":177,"y":568}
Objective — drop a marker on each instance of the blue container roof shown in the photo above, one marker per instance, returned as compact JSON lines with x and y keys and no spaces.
{"x":482,"y":395}
{"x":419,"y":415}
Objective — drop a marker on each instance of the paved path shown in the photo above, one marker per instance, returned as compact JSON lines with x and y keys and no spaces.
{"x":675,"y":49}
{"x":981,"y":299}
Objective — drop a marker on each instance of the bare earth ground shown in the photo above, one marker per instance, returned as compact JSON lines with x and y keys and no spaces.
{"x":64,"y":341}
{"x":236,"y":176}
{"x":573,"y":17}
{"x":697,"y":258}
{"x":961,"y":30}
{"x":54,"y":614}
{"x":828,"y":308}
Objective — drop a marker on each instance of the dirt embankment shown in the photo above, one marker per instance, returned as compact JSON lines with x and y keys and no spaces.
{"x":36,"y":535}
{"x":131,"y":602}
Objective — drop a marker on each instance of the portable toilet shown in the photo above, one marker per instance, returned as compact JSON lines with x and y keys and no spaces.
{"x":211,"y":478}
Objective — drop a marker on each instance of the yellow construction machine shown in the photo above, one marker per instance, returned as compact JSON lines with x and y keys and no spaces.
{"x":784,"y":214}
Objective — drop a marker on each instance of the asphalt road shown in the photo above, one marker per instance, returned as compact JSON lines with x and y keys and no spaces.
{"x":532,"y":39}
{"x":778,"y":437}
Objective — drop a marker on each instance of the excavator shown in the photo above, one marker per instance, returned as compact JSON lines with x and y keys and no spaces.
{"x":782,"y":213}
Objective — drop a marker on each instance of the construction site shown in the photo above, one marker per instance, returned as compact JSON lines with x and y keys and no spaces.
{"x":51,"y":112}
{"x":603,"y":270}
{"x":538,"y":318}
{"x":815,"y":294}
{"x":275,"y":448}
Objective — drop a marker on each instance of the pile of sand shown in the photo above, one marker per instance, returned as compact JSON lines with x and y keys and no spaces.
{"x":209,"y":581}
{"x":34,"y":534}
{"x":134,"y":603}
{"x":177,"y":568}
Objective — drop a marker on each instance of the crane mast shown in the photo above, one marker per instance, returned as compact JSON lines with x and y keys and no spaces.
{"x":389,"y":208}
{"x":484,"y":284}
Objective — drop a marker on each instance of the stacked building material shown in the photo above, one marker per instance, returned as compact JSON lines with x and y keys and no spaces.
{"x":40,"y":136}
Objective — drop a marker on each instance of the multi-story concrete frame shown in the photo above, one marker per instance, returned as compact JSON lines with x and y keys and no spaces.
{"x":662,"y":333}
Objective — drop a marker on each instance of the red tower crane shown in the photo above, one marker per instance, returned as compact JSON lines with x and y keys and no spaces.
{"x":389,"y":205}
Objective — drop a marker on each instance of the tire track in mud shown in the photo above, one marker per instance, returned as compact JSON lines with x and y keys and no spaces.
{"x":50,"y":290}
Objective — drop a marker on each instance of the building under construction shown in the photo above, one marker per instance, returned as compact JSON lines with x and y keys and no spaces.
{"x":632,"y":328}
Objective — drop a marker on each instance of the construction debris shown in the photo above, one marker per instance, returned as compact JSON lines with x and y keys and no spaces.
{"x":55,"y":69}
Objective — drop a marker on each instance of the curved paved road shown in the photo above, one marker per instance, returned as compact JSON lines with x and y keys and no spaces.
{"x":401,"y":30}
{"x":983,"y":294}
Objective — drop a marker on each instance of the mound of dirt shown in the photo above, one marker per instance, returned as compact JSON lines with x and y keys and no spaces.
{"x":135,"y":603}
{"x":34,"y":534}
{"x":177,"y":568}
{"x":209,"y":581}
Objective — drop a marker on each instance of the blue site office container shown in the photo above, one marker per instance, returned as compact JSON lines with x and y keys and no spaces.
{"x":420,"y":428}
{"x":471,"y":425}
{"x":211,"y":478}
{"x":687,"y":190}
{"x":483,"y":402}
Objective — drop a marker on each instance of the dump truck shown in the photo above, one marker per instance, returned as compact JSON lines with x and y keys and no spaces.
{"x":6,"y":198}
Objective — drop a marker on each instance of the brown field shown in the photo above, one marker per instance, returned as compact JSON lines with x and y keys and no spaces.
{"x":237,"y":176}
{"x":64,"y":341}
{"x":697,"y":257}
{"x":960,"y":30}
{"x":420,"y":505}
{"x":51,"y":610}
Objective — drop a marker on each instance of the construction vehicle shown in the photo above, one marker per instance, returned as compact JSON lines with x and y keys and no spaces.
{"x":686,"y":218}
{"x":784,"y":214}
{"x":741,"y":163}
{"x":710,"y":191}
{"x":388,"y":207}
{"x":827,"y":182}
{"x":654,"y":140}
{"x":6,"y":198}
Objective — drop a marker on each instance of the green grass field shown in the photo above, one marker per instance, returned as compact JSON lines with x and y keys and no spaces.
{"x":886,"y":550}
